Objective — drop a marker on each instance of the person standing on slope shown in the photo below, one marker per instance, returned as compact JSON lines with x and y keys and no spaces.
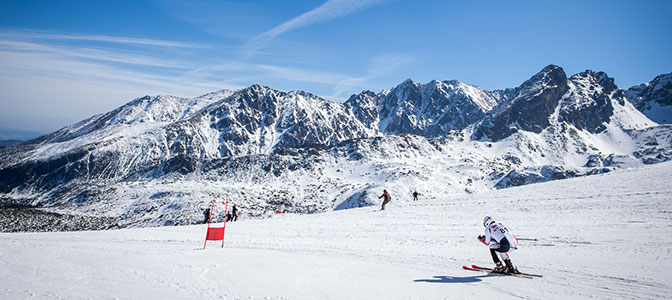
{"x":415,"y":195}
{"x":234,"y":216}
{"x":501,"y":240}
{"x":386,"y":198}
{"x":206,"y":215}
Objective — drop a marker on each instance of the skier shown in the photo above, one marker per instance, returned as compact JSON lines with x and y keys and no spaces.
{"x":386,"y":198}
{"x":415,"y":195}
{"x":206,"y":215}
{"x":501,"y":240}
{"x":234,"y":216}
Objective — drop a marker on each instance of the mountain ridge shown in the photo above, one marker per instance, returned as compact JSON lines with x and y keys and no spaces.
{"x":264,"y":147}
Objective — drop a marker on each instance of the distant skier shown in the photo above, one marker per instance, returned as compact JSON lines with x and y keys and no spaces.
{"x":415,"y":195}
{"x":206,"y":215}
{"x":501,"y":240}
{"x":234,"y":215}
{"x":386,"y":198}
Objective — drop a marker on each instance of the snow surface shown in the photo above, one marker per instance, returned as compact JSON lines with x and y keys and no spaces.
{"x":605,"y":236}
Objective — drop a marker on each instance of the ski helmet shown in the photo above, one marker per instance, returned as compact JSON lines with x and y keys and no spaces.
{"x":487,"y":221}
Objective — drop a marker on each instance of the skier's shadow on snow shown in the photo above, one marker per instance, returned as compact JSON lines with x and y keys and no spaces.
{"x":452,"y":279}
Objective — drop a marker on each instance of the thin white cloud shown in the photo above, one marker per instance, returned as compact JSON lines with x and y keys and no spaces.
{"x":43,"y":91}
{"x":42,"y":35}
{"x":330,"y":10}
{"x":42,"y":60}
{"x":35,"y":57}
{"x":36,"y":67}
{"x":117,"y":56}
{"x":47,"y":83}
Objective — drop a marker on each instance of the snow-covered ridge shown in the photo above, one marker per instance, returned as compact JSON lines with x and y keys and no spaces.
{"x":158,"y":159}
{"x":654,"y":98}
{"x":141,"y":115}
{"x":432,"y":109}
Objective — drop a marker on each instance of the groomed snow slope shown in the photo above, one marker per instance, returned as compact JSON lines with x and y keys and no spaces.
{"x":603,"y":237}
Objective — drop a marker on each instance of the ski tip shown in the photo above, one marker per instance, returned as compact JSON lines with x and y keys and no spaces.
{"x":465,"y":267}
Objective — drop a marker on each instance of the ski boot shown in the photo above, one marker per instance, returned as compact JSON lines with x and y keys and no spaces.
{"x":510,"y":269}
{"x":499,"y":268}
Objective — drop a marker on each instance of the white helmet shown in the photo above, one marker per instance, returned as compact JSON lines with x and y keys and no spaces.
{"x":487,"y":221}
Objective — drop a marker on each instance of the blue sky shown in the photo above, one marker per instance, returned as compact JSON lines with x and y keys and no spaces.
{"x":63,"y":61}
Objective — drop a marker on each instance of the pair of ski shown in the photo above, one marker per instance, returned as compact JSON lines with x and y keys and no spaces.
{"x":489,"y":270}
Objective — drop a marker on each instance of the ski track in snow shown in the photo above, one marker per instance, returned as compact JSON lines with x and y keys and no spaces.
{"x":604,"y":236}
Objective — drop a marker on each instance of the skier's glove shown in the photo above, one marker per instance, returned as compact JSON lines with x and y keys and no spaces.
{"x":481,"y":238}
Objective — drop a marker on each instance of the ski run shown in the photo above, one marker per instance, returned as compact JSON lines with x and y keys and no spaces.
{"x":606,"y":236}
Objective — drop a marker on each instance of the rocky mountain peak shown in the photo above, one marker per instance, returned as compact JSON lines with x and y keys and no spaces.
{"x":600,"y":78}
{"x":432,"y":109}
{"x":551,"y":76}
{"x":406,"y":83}
{"x":654,"y":98}
{"x":364,"y":107}
{"x":529,"y":107}
{"x":217,"y":95}
{"x":588,"y":104}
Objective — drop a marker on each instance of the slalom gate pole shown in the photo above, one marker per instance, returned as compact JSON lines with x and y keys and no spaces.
{"x":226,"y":210}
{"x":209,"y":219}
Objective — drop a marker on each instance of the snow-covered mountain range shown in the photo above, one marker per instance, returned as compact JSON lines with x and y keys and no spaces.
{"x":654,"y":98}
{"x":159,"y":160}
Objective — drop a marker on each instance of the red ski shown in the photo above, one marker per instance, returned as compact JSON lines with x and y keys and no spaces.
{"x":489,"y":270}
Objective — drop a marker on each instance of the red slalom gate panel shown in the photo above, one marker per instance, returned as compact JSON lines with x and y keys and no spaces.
{"x":216,"y":233}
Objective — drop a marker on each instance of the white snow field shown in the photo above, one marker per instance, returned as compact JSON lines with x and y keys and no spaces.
{"x":606,"y":236}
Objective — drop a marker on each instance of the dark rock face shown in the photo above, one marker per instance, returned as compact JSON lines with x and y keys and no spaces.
{"x":517,"y":178}
{"x":656,"y":146}
{"x":529,"y":109}
{"x":364,"y":107}
{"x":397,"y":109}
{"x":242,"y":116}
{"x":588,"y":104}
{"x":546,"y":173}
{"x":656,"y":92}
{"x":461,"y":109}
{"x":433,"y":109}
{"x":24,"y":219}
